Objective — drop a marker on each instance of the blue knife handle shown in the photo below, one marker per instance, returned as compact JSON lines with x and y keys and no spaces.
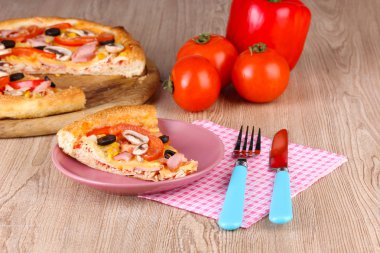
{"x":281,"y":210}
{"x":231,"y":216}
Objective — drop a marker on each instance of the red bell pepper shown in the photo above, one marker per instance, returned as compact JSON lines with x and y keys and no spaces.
{"x":61,"y":25}
{"x":3,"y":81}
{"x":74,"y":42}
{"x":24,"y":33}
{"x":30,"y":51}
{"x":281,"y":24}
{"x":26,"y":83}
{"x":80,"y":41}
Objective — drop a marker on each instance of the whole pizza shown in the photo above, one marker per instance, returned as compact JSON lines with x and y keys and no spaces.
{"x":33,"y":47}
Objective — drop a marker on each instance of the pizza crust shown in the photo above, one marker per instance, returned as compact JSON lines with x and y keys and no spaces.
{"x":20,"y":107}
{"x":140,"y":115}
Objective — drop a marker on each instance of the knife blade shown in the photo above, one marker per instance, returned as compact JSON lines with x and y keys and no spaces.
{"x":281,"y":210}
{"x":279,"y":152}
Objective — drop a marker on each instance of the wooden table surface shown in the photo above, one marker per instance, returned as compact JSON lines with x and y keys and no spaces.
{"x":332,"y":103}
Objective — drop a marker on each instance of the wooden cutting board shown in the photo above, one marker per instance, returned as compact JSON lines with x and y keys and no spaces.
{"x":101,"y":92}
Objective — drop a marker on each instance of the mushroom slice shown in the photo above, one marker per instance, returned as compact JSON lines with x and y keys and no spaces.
{"x":81,"y":32}
{"x":135,"y":137}
{"x":119,"y":59}
{"x":2,"y":46}
{"x":15,"y":92}
{"x":8,"y":88}
{"x":139,"y":158}
{"x":4,"y":64}
{"x":3,"y":73}
{"x":114,"y":48}
{"x":5,"y":51}
{"x":61,"y":53}
{"x":140,"y":149}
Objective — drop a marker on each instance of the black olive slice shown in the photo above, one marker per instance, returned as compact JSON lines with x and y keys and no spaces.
{"x":16,"y":76}
{"x":107,"y":42}
{"x":53,"y":32}
{"x":46,"y":78}
{"x":40,"y":47}
{"x":164,"y":138}
{"x":106,"y":140}
{"x":168,"y":153}
{"x":9,"y":43}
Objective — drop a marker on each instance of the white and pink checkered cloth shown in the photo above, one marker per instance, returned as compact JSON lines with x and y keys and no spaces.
{"x":206,"y":196}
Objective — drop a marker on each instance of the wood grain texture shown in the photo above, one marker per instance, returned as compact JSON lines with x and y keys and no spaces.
{"x":102,"y":92}
{"x":332,"y":103}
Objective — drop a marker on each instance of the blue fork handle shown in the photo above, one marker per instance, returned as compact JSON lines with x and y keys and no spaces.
{"x":281,"y":210}
{"x":231,"y":216}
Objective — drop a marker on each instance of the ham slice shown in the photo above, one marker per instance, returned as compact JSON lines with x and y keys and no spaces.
{"x":38,"y":41}
{"x":174,"y":161}
{"x":6,"y":33}
{"x":85,"y":53}
{"x":42,"y":87}
{"x":127,"y":147}
{"x":123,"y":156}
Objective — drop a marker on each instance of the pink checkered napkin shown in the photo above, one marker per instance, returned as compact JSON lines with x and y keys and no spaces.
{"x":206,"y":196}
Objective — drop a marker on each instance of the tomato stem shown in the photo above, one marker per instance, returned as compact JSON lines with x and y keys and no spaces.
{"x":274,"y":1}
{"x":168,"y":85}
{"x":258,"y":48}
{"x":202,"y":38}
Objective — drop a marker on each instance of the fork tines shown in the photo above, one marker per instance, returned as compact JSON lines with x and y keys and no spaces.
{"x":244,"y":152}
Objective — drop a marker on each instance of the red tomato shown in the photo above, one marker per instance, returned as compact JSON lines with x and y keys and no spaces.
{"x":3,"y":81}
{"x":26,"y":83}
{"x":195,"y":83}
{"x":260,"y":74}
{"x":215,"y":48}
{"x":29,"y":51}
{"x":104,"y":36}
{"x":156,"y":147}
{"x":74,"y":42}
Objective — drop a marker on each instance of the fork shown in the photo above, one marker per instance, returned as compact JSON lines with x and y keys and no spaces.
{"x":231,"y":216}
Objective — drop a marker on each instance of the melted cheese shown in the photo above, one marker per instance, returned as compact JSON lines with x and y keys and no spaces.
{"x":102,"y":153}
{"x":132,"y":164}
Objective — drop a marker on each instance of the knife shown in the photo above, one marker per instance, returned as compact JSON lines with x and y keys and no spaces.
{"x":281,"y":205}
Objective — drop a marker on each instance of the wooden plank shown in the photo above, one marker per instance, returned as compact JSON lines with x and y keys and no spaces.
{"x":101,"y":92}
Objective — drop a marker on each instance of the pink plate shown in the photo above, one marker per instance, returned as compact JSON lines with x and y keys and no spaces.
{"x":194,"y":141}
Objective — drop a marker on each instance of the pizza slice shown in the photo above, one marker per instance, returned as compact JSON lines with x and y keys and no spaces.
{"x":24,"y":96}
{"x":52,"y":45}
{"x":125,"y":140}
